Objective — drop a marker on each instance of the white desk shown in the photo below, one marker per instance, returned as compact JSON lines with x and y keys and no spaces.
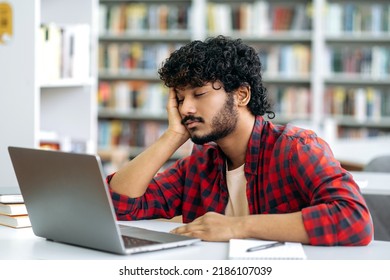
{"x":359,"y":152}
{"x":22,"y":244}
{"x":373,"y":182}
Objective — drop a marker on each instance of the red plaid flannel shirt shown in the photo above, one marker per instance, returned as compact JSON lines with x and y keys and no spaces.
{"x":288,"y":169}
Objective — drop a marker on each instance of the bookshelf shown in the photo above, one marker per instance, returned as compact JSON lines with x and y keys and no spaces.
{"x":357,"y":71}
{"x":300,"y":43}
{"x":282,"y":33}
{"x":134,"y":38}
{"x":45,"y":104}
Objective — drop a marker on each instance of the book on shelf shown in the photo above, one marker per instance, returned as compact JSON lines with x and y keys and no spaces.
{"x":76,"y":51}
{"x":357,"y":17}
{"x":18,"y":221}
{"x":257,"y":18}
{"x":360,"y":132}
{"x":282,"y":17}
{"x":114,"y":133}
{"x":50,"y":52}
{"x":220,"y":18}
{"x":11,"y":198}
{"x":361,"y":104}
{"x":64,"y":51}
{"x":127,"y":57}
{"x":287,"y":60}
{"x":120,"y":18}
{"x":13,"y":209}
{"x":131,"y":96}
{"x":367,"y":61}
{"x":290,"y":102}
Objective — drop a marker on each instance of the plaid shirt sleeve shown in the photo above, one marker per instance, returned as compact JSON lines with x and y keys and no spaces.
{"x":337,"y":214}
{"x":161,"y":200}
{"x":191,"y":187}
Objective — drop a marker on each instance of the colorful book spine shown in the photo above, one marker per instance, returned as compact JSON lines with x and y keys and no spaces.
{"x":362,"y":104}
{"x":286,"y":60}
{"x":132,"y":96}
{"x":357,"y":17}
{"x":258,"y":18}
{"x":116,"y":58}
{"x":141,"y":17}
{"x":372,"y":62}
{"x":290,"y":102}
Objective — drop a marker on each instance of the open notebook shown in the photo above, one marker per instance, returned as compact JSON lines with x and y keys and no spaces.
{"x":238,"y":250}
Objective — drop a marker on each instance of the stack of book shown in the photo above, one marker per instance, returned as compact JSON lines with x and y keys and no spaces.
{"x":13,"y":212}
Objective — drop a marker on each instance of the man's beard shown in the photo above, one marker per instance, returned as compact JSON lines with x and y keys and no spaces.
{"x":222,"y":124}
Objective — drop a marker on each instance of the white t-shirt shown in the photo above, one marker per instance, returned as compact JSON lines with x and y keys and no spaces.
{"x":236,"y":184}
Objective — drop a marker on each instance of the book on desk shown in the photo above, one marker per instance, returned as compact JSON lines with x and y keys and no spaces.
{"x":240,"y":249}
{"x":11,"y":198}
{"x":17,"y":221}
{"x":13,"y":212}
{"x":13,"y":209}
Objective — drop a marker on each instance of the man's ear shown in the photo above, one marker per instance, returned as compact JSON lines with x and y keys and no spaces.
{"x":243,"y":95}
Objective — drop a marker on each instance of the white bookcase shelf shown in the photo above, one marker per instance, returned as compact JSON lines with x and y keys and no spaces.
{"x":36,"y":109}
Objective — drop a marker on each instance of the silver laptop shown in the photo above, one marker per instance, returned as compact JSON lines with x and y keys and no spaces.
{"x":68,"y":201}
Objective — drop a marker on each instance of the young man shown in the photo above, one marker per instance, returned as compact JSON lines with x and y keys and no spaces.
{"x":246,"y":177}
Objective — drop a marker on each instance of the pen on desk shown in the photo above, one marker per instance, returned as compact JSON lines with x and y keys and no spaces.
{"x":265,"y":246}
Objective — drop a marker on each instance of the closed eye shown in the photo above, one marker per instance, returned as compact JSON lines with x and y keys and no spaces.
{"x":200,"y":94}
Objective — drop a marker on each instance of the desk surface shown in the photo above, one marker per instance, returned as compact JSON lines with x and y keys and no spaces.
{"x":360,"y":151}
{"x":373,"y":182}
{"x":22,"y":244}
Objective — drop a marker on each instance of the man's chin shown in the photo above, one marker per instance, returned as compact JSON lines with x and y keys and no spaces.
{"x":202,"y":140}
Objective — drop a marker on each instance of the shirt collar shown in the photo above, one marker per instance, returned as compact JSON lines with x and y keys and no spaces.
{"x":253,"y":150}
{"x":252,"y":153}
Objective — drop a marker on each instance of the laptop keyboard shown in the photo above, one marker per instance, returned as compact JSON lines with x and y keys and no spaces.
{"x":136,"y":242}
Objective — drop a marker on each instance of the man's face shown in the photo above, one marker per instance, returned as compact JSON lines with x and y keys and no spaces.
{"x":209,"y":114}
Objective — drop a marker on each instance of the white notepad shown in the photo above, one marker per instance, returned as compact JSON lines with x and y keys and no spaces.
{"x":290,"y":250}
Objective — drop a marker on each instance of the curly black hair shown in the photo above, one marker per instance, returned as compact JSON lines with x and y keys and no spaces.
{"x":222,"y":59}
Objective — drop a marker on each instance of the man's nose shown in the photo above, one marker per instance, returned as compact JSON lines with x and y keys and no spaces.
{"x":188,"y":107}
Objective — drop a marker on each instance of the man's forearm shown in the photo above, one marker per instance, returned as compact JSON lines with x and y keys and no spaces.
{"x":218,"y":227}
{"x":133,"y":179}
{"x":283,"y":227}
